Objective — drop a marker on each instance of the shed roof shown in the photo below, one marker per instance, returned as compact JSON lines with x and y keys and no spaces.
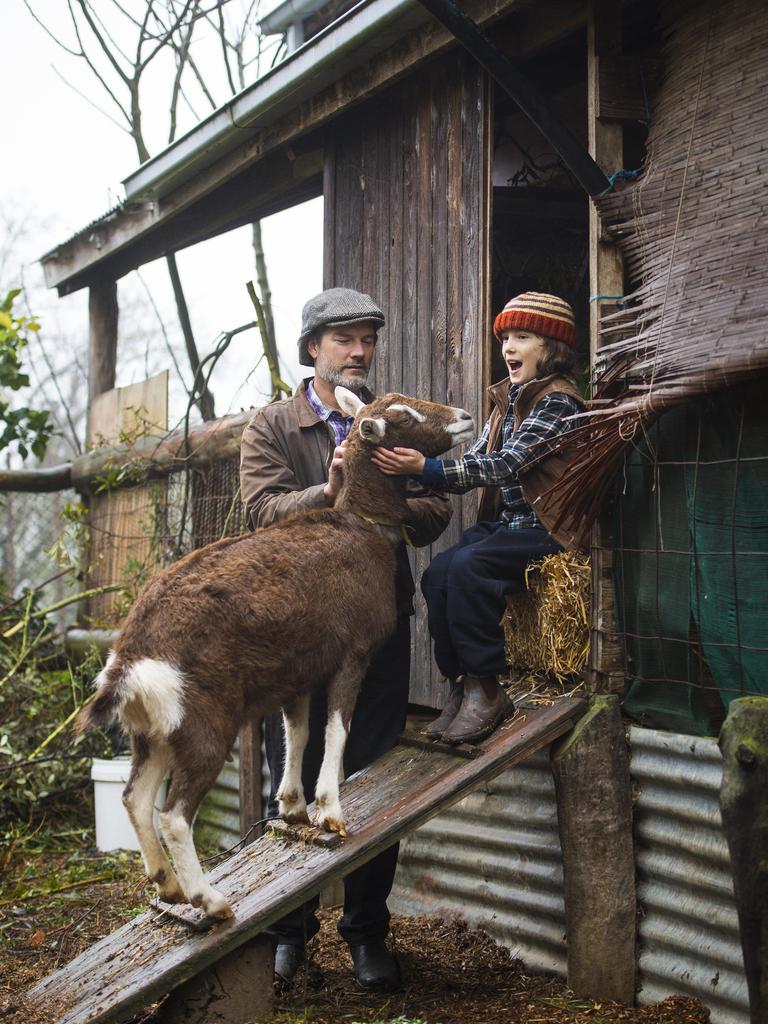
{"x":255,"y":155}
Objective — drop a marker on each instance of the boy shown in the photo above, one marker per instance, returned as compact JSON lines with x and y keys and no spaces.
{"x":466,"y":586}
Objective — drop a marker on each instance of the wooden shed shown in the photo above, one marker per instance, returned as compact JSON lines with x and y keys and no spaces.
{"x":453,"y":177}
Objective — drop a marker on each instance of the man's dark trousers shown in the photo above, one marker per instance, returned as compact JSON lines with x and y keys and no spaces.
{"x":378,"y":720}
{"x":466,"y":588}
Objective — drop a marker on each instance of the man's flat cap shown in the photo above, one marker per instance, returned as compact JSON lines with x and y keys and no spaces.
{"x":331,"y":308}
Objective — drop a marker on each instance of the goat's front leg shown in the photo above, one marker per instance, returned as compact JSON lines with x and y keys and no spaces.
{"x":290,"y":795}
{"x":342,"y":694}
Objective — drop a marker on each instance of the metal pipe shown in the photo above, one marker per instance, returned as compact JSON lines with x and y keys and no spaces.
{"x":528,"y":98}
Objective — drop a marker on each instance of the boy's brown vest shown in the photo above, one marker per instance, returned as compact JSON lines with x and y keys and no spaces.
{"x":539,"y":482}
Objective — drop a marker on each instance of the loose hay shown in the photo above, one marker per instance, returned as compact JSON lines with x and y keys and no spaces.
{"x":546,"y":628}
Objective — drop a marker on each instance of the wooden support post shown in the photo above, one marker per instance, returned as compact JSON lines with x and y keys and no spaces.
{"x":606,"y":278}
{"x":251,"y":806}
{"x":102,"y":338}
{"x":236,"y":990}
{"x":744,"y":808}
{"x":594,"y":808}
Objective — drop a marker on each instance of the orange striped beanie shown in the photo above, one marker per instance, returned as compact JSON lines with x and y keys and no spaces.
{"x":543,"y":314}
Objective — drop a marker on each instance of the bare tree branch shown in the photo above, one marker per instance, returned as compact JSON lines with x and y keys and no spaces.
{"x":82,"y":95}
{"x":163,"y":330}
{"x":98,"y":37}
{"x":48,"y":32}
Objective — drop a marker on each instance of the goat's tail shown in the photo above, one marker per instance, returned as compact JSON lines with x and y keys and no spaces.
{"x":103,"y":709}
{"x":146,"y":695}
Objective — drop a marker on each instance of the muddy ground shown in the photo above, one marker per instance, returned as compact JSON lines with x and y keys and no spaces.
{"x":54,"y":905}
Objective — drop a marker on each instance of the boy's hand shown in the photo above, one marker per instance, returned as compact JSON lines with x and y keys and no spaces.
{"x":335,"y":472}
{"x":399,"y":461}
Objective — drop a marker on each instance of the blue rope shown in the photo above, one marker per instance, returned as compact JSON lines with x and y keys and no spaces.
{"x":595,"y":298}
{"x":619,"y":176}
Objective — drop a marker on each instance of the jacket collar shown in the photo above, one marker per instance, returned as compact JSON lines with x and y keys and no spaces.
{"x":306,"y":414}
{"x":499,"y":392}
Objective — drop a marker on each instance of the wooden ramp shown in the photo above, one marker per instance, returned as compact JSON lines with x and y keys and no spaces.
{"x":151,"y":955}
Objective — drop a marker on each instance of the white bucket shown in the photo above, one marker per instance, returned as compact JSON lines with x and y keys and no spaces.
{"x":114,"y":830}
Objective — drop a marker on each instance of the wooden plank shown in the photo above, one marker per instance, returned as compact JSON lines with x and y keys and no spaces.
{"x":606,"y":277}
{"x":121,"y":520}
{"x":152,"y":955}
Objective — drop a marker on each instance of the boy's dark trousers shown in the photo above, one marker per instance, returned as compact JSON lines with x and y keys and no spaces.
{"x":377,"y":722}
{"x":466,"y":588}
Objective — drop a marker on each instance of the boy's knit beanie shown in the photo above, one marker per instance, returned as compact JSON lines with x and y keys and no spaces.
{"x":543,"y":314}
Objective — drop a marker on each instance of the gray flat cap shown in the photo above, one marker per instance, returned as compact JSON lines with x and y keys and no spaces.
{"x":332,"y":307}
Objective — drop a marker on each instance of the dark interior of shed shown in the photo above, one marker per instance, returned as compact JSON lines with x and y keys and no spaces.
{"x":540,"y":230}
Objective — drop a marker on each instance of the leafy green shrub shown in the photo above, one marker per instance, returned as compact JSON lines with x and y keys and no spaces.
{"x":44,"y":766}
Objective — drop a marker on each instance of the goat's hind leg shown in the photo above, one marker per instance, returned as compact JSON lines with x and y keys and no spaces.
{"x":191,"y":781}
{"x":148,"y":767}
{"x":290,"y":795}
{"x":342,"y":695}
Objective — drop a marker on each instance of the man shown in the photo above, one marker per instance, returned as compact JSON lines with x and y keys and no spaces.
{"x":291,"y":461}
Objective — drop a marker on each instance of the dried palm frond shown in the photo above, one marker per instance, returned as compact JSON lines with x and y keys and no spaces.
{"x":693,"y":229}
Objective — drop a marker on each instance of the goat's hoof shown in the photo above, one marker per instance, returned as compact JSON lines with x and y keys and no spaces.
{"x":294,"y":813}
{"x":171,"y":894}
{"x":330,"y":823}
{"x":213,"y":905}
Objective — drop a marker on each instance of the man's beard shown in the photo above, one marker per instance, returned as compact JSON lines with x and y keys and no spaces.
{"x":336,"y":377}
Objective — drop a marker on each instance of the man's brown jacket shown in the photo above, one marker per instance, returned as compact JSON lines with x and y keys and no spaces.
{"x":285,"y":453}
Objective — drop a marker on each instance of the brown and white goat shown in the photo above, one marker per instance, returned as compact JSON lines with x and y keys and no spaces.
{"x":251,"y":624}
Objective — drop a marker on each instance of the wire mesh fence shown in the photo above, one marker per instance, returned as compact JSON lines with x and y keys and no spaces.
{"x":691,"y":561}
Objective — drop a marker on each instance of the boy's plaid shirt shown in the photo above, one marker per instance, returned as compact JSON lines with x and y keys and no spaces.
{"x":547,"y":419}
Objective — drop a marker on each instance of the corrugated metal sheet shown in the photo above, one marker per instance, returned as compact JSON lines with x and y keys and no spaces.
{"x":494,"y":858}
{"x":219,"y":814}
{"x":220,"y":811}
{"x":689,"y":931}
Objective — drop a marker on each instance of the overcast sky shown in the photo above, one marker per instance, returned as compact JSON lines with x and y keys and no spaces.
{"x":62,"y":167}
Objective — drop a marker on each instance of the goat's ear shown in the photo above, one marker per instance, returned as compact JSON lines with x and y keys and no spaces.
{"x":373,"y":429}
{"x":348,"y":401}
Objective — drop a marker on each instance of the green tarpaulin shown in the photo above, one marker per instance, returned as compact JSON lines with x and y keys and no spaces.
{"x":691,"y":561}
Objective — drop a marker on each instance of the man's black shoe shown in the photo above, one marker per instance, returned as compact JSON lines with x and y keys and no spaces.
{"x":288,"y":959}
{"x":376,"y":968}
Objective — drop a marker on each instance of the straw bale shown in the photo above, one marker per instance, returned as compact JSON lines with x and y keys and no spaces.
{"x":546,"y":628}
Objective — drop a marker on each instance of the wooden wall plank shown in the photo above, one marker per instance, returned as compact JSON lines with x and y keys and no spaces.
{"x":411,"y":221}
{"x":121,"y":520}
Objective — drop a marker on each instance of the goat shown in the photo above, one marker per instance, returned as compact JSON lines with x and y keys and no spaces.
{"x":238,"y":629}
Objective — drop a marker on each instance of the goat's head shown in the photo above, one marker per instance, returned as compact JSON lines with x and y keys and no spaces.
{"x":396,"y":421}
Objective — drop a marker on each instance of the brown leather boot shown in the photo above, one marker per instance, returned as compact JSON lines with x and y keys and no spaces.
{"x":435,"y":730}
{"x":485,"y":705}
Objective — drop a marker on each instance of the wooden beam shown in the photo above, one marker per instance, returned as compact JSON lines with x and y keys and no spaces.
{"x":744,"y":809}
{"x":594,"y":811}
{"x":251,"y":807}
{"x":37,"y":481}
{"x":74,"y":264}
{"x":156,"y":457}
{"x":533,"y":104}
{"x":606,"y":278}
{"x":102,"y":337}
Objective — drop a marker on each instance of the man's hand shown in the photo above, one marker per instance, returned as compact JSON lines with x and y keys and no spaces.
{"x":399,"y":461}
{"x":335,"y":473}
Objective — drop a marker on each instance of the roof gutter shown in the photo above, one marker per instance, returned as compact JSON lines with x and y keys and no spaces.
{"x":360,"y":35}
{"x":281,"y":17}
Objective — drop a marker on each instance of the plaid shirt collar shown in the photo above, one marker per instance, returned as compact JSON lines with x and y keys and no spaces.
{"x":337,"y":421}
